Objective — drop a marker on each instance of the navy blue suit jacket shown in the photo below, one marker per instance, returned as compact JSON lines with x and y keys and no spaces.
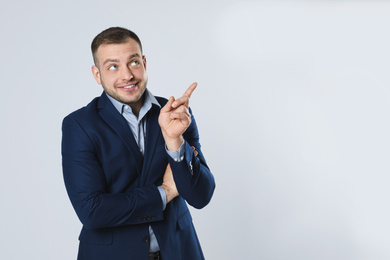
{"x":113,"y":187}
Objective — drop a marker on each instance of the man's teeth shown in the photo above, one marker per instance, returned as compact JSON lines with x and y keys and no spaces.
{"x":131,"y":86}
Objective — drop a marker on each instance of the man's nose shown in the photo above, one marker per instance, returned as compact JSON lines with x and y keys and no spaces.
{"x":127,"y":74}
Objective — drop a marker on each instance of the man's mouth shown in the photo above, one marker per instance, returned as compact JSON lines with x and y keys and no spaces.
{"x":130,"y":86}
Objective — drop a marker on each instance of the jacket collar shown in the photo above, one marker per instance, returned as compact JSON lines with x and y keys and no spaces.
{"x":115,"y":120}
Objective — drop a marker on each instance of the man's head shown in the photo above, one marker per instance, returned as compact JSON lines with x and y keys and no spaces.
{"x":120,"y":66}
{"x":113,"y":35}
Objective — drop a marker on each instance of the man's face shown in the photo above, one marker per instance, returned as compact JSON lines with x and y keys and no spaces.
{"x":121,"y":70}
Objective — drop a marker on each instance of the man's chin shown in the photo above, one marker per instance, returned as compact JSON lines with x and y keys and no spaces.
{"x":134,"y":99}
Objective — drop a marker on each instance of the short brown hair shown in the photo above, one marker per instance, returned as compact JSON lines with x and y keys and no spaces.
{"x":112,"y":35}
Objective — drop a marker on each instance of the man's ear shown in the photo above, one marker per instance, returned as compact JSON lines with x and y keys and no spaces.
{"x":144,"y":61}
{"x":96,"y":74}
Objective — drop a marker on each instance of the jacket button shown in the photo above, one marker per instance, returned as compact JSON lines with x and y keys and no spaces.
{"x":145,"y":239}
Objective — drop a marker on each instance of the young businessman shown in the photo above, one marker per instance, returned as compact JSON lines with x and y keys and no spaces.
{"x":132,"y":162}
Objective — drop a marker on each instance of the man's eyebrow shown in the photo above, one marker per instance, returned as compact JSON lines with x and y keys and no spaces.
{"x":134,"y":55}
{"x":110,"y":60}
{"x":115,"y":60}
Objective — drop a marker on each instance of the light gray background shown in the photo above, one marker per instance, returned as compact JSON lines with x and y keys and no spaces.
{"x":292,"y":107}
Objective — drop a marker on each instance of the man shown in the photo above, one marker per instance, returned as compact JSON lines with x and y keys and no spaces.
{"x":131,"y":161}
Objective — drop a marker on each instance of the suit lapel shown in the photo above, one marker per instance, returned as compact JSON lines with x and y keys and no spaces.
{"x":152,"y":137}
{"x":116,"y":121}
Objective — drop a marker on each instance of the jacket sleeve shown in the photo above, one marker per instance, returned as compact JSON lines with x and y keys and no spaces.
{"x":194,"y":181}
{"x":89,"y":191}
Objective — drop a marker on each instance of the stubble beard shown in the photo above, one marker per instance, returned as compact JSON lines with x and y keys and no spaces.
{"x":139,"y":98}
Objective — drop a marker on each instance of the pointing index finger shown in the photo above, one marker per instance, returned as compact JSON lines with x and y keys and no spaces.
{"x":191,"y":89}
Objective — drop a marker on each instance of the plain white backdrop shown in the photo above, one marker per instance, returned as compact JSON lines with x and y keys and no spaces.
{"x":292,"y":106}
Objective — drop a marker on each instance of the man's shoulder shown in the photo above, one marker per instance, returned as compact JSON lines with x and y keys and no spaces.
{"x":87,"y":111}
{"x":91,"y":109}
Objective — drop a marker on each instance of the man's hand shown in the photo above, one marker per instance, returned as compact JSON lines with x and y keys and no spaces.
{"x":169,"y":184}
{"x":175,"y":118}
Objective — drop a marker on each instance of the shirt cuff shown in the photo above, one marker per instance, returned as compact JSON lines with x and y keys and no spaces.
{"x":177,"y":156}
{"x":163,"y":196}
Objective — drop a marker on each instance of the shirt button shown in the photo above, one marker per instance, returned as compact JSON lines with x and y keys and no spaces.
{"x":145,"y":239}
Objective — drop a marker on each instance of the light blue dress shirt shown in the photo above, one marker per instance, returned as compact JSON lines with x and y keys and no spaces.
{"x":138,"y":128}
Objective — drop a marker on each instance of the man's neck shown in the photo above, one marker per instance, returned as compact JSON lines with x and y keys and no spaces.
{"x":136,"y":107}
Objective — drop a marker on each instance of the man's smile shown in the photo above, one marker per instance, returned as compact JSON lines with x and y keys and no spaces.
{"x":129,"y":87}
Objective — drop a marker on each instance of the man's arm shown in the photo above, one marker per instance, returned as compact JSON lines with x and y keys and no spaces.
{"x":88,"y":189}
{"x":192,"y":177}
{"x":169,"y":185}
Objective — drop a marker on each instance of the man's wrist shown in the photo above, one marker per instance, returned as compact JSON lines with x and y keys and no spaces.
{"x":173,"y":144}
{"x":169,"y":193}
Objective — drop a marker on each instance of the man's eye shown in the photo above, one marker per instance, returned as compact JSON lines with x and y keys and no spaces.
{"x":113,"y":67}
{"x":134,"y":63}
